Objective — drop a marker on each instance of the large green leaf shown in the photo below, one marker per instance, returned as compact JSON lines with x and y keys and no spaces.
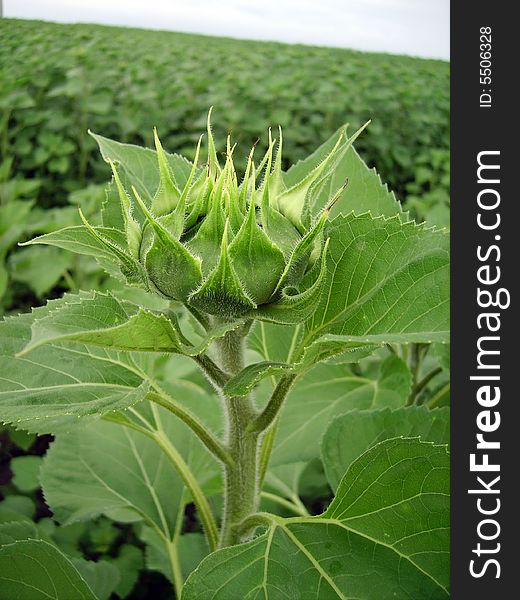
{"x":350,"y":551}
{"x":108,"y":469}
{"x":284,"y":480}
{"x":15,"y":531}
{"x":103,"y":320}
{"x":57,"y":384}
{"x":387,"y":282}
{"x":351,"y":434}
{"x":330,"y":390}
{"x":37,"y":570}
{"x":78,"y":239}
{"x":113,"y":470}
{"x":192,"y":549}
{"x":101,"y":577}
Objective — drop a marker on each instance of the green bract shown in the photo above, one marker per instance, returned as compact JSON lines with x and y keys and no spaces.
{"x":226,"y":248}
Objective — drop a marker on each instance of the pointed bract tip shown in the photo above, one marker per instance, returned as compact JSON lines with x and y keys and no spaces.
{"x":225,"y":233}
{"x":82,"y":216}
{"x":336,"y":197}
{"x":208,"y":120}
{"x":87,"y":224}
{"x":156,"y":139}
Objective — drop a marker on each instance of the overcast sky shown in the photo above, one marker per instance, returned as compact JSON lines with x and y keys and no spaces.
{"x":416,"y":27}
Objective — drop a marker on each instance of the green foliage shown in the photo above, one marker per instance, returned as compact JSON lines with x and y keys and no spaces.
{"x":245,"y":328}
{"x":349,"y":552}
{"x":428,"y":194}
{"x":78,"y":473}
{"x":26,"y":471}
{"x":316,"y":90}
{"x":34,"y":569}
{"x":99,"y":384}
{"x":129,"y":562}
{"x":33,"y":270}
{"x":330,"y":390}
{"x":356,"y":431}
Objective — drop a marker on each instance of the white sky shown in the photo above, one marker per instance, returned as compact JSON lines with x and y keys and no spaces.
{"x":417,"y":27}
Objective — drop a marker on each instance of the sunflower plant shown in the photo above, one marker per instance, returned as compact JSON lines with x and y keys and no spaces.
{"x":243,"y":287}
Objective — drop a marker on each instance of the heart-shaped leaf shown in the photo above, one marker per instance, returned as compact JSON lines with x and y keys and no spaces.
{"x":349,"y":551}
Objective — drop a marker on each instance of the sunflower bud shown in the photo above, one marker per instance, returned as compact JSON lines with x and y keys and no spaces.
{"x":226,"y":248}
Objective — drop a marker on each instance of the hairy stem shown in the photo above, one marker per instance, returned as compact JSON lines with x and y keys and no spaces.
{"x":205,"y":435}
{"x":231,"y":348}
{"x":261,"y":519}
{"x":270,"y":412}
{"x":241,"y":477}
{"x":216,"y":375}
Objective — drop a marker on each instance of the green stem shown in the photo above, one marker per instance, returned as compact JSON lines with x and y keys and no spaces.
{"x":173,"y":557}
{"x":241,"y":477}
{"x":211,"y":442}
{"x":231,"y":349}
{"x":249,"y":524}
{"x":285,"y":503}
{"x":414,"y":364}
{"x":173,"y":554}
{"x":419,"y":387}
{"x":216,"y":375}
{"x":439,"y":396}
{"x":200,"y":500}
{"x":270,"y":412}
{"x":266,"y":447}
{"x":70,"y":282}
